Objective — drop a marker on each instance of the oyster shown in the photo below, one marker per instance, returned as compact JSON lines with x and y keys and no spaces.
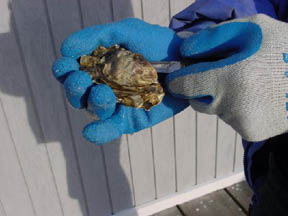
{"x":133,"y":79}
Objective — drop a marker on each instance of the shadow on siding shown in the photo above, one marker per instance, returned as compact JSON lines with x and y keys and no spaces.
{"x":87,"y":166}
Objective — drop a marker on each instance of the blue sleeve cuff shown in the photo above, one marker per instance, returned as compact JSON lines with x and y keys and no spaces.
{"x":203,"y":13}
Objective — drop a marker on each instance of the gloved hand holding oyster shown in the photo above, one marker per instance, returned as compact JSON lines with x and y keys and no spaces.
{"x":133,"y":79}
{"x":118,"y":85}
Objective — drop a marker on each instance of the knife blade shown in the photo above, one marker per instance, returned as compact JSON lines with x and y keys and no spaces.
{"x":166,"y":66}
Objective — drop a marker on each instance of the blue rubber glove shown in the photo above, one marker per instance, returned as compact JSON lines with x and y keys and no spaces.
{"x":241,"y":75}
{"x":154,"y":42}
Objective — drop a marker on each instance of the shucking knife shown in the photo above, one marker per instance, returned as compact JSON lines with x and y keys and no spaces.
{"x":166,"y":66}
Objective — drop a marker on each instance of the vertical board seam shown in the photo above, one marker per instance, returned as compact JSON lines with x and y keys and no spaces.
{"x":142,"y":10}
{"x":151,"y":132}
{"x":131,"y":171}
{"x":54,"y":179}
{"x":66,"y":112}
{"x":106,"y":179}
{"x":80,"y":13}
{"x":25,"y":70}
{"x":47,"y":151}
{"x":196,"y":149}
{"x":43,"y":138}
{"x":82,"y":181}
{"x":174,"y":127}
{"x":235,"y":149}
{"x":126,"y":136}
{"x":101,"y":147}
{"x":112,"y":10}
{"x":169,"y":8}
{"x":216,"y":148}
{"x":2,"y":207}
{"x":18,"y":158}
{"x":175,"y":155}
{"x":77,"y":162}
{"x":154,"y":168}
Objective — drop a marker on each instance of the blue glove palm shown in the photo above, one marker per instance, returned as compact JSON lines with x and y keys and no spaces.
{"x":154,"y":42}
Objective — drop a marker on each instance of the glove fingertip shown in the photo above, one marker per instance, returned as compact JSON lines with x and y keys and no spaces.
{"x":63,"y":66}
{"x":102,"y":101}
{"x":81,"y":42}
{"x":101,"y":132}
{"x":76,"y":88}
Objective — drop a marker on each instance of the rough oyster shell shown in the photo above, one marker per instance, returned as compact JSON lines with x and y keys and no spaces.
{"x":133,"y":79}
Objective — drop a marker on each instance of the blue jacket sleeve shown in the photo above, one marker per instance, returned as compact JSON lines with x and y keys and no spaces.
{"x":203,"y":13}
{"x":281,"y":9}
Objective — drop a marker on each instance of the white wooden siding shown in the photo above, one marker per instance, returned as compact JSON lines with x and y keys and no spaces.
{"x":162,"y":134}
{"x":46,"y":167}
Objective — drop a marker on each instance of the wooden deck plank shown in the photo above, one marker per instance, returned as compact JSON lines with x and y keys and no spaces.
{"x":242,"y":193}
{"x":217,"y":203}
{"x":169,"y":212}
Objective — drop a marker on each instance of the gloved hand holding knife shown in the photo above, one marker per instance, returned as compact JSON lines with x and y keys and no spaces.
{"x":238,"y":85}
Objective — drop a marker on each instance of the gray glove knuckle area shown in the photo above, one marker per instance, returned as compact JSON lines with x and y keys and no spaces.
{"x":251,"y":95}
{"x":195,"y":84}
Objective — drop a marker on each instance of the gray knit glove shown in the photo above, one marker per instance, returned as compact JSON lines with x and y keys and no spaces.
{"x":247,"y":85}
